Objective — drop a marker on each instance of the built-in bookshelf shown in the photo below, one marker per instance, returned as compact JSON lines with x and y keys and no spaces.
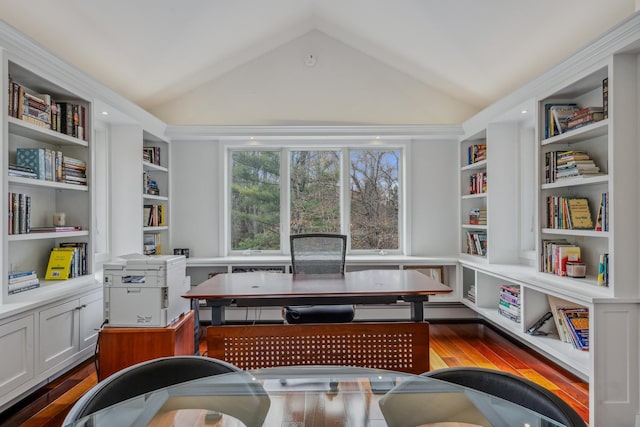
{"x":48,"y":150}
{"x":155,"y":194}
{"x":574,"y":200}
{"x":473,"y":196}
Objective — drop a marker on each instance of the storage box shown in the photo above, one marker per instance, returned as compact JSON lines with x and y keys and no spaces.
{"x":145,"y":291}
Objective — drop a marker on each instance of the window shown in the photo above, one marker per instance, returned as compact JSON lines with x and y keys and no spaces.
{"x":277,"y":191}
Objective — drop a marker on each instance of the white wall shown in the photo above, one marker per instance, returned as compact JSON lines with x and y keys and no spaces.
{"x":196,"y":197}
{"x":434,"y":186}
{"x":345,"y":86}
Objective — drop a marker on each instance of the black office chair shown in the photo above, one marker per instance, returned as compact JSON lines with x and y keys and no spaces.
{"x":318,"y":253}
{"x":159,"y":373}
{"x":515,"y":389}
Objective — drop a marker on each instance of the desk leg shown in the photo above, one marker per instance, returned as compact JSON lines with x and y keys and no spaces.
{"x":217,"y":310}
{"x":417,"y":308}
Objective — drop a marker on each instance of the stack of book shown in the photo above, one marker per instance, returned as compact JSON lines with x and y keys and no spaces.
{"x":574,"y":164}
{"x":476,"y":153}
{"x":74,"y":171}
{"x":471,"y":293}
{"x":45,"y":163}
{"x":478,"y":216}
{"x":22,"y":171}
{"x":584,"y":116}
{"x":152,"y":244}
{"x":19,"y":213}
{"x":478,"y":183}
{"x":23,"y":281}
{"x":509,"y":302}
{"x":556,"y":254}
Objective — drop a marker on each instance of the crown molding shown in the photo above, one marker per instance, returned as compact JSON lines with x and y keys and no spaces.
{"x":199,"y":133}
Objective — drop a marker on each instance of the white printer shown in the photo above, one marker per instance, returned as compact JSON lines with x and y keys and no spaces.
{"x":145,"y":291}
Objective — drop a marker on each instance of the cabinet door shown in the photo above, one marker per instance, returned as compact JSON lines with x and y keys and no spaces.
{"x":91,"y":315}
{"x":16,"y":344}
{"x":58,"y":334}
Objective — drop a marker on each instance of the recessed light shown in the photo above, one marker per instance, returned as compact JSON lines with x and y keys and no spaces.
{"x":523,"y":112}
{"x":105,"y":113}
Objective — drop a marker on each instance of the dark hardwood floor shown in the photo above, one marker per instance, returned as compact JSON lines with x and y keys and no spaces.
{"x":452,"y":344}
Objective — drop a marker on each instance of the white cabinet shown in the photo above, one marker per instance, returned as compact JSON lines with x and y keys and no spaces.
{"x":16,"y":347}
{"x":68,"y":328}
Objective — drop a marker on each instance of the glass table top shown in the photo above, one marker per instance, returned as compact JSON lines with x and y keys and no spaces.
{"x":316,"y":396}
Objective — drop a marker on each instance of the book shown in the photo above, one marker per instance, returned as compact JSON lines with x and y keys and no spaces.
{"x":577,"y":324}
{"x":567,"y":254}
{"x":54,"y":229}
{"x":579,"y":213}
{"x":560,"y":113}
{"x":33,"y":158}
{"x":555,"y":304}
{"x":59,"y":266}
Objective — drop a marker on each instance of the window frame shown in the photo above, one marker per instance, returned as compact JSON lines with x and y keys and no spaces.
{"x":285,"y":146}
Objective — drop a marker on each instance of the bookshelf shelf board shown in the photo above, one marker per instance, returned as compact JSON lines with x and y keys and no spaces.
{"x":473,"y":258}
{"x":56,"y":288}
{"x":43,"y":183}
{"x":155,"y":229}
{"x":474,"y":226}
{"x":42,"y":236}
{"x":474,"y":196}
{"x":572,"y":182}
{"x":154,"y":197}
{"x":482,"y":164}
{"x":550,"y":344}
{"x":590,"y":131}
{"x":569,"y":232}
{"x":28,"y":130}
{"x":153,"y":167}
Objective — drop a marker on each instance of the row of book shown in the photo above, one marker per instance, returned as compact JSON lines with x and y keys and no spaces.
{"x":152,"y":244}
{"x":149,"y":185}
{"x":478,"y":216}
{"x":39,"y":109}
{"x":556,"y":254}
{"x":471,"y":293}
{"x":68,"y":260}
{"x":19,"y":213}
{"x":478,"y":183}
{"x":476,"y":153}
{"x":569,"y":213}
{"x":509,"y":303}
{"x":477,"y":243}
{"x":153,"y":215}
{"x":151,"y":155}
{"x":50,"y":165}
{"x":572,"y":322}
{"x":570,"y":164}
{"x":21,"y":281}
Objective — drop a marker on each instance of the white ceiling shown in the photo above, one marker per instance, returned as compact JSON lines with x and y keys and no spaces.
{"x":476,"y":51}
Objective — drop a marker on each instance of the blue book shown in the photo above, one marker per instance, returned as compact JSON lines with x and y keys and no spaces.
{"x":33,"y":158}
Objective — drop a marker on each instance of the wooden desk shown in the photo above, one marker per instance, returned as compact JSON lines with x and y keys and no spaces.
{"x":357,"y":287}
{"x":123,"y":347}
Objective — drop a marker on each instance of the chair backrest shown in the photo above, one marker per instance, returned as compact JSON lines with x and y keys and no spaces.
{"x":515,"y":389}
{"x":318,"y":253}
{"x":143,"y":378}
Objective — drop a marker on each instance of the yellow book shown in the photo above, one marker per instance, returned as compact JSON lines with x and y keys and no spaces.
{"x":580,"y":213}
{"x":59,"y":266}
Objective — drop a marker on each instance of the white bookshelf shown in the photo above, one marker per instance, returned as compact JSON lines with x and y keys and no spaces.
{"x":158,"y":171}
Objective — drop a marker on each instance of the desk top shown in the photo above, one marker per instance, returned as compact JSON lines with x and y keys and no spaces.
{"x":315,"y":395}
{"x":278,"y":285}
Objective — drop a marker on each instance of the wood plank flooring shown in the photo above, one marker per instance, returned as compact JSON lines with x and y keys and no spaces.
{"x":452,"y":344}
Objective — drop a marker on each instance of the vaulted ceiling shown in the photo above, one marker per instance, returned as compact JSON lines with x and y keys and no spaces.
{"x":475,"y":51}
